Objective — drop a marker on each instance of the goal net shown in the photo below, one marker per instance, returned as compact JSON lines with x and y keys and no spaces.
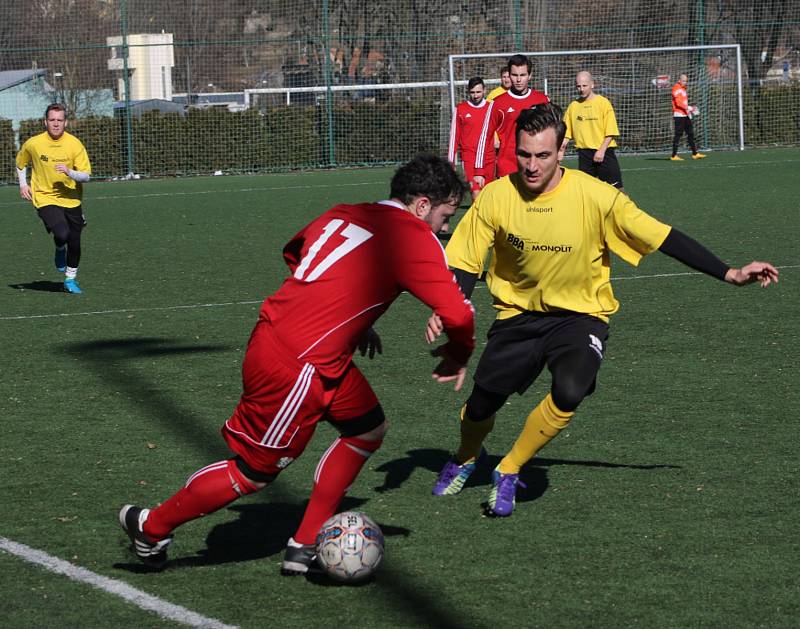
{"x":638,"y":83}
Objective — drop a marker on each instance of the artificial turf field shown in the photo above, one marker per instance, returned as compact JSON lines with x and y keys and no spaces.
{"x":670,"y":501}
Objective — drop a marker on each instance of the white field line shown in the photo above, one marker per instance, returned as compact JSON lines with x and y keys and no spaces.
{"x":189,"y":193}
{"x":258,"y":301}
{"x":705,"y":166}
{"x":127,"y":310}
{"x":369,"y":183}
{"x":141,"y":599}
{"x":660,"y":275}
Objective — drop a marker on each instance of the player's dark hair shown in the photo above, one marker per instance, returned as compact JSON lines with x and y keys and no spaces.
{"x":475,"y":80}
{"x":55,"y":107}
{"x":541,"y":117}
{"x":520,"y":60}
{"x":504,"y":69}
{"x":428,"y":176}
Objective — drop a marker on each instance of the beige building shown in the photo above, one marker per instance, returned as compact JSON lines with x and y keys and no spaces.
{"x":150,"y":61}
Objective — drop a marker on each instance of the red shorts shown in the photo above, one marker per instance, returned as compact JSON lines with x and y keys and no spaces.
{"x":469,"y":173}
{"x":282,"y":402}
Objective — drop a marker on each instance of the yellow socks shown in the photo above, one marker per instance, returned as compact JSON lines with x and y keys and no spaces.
{"x":472,"y":435}
{"x":544,"y":423}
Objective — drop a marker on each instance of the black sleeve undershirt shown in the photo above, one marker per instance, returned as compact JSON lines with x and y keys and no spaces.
{"x":466,"y":281}
{"x":694,"y":255}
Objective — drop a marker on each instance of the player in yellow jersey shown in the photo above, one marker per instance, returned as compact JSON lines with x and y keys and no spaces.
{"x":505,"y":84}
{"x":591,"y":123}
{"x":59,"y":166}
{"x":553,"y":230}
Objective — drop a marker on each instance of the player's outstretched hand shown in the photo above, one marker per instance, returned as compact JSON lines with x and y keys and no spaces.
{"x":448,"y":369}
{"x":370,"y":342}
{"x":434,"y":328}
{"x":25,"y":193}
{"x":761,"y":272}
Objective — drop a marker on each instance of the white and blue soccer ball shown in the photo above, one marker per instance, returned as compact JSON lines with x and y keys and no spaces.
{"x":349,"y":546}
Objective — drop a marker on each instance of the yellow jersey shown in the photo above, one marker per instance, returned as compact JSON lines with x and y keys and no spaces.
{"x":48,"y":186}
{"x":591,"y":121}
{"x":495,"y":93}
{"x":552,"y":250}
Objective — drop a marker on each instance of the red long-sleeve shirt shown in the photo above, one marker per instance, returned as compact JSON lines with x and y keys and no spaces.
{"x":348,"y":266}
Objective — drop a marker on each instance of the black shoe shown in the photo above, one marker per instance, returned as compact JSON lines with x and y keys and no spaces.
{"x":151,"y":553}
{"x":298,"y":558}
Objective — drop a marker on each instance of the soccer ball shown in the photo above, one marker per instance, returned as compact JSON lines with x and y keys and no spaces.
{"x":349,"y":546}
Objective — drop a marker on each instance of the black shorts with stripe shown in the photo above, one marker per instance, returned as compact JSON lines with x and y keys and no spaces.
{"x":520,"y":347}
{"x":607,"y":170}
{"x":52,"y":215}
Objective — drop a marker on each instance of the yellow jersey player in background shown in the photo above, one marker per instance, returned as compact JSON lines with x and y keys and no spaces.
{"x":592,"y":124}
{"x":59,"y":166}
{"x":505,"y":84}
{"x":553,"y":230}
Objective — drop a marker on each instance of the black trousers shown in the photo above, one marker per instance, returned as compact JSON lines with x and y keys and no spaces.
{"x":681,"y":125}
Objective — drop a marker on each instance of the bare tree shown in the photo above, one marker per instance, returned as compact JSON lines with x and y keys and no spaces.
{"x":758,"y":27}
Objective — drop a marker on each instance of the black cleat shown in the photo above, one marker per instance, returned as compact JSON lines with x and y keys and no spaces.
{"x":298,"y":558}
{"x":151,"y":553}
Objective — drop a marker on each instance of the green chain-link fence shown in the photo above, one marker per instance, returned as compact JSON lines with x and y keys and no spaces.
{"x":200,"y":86}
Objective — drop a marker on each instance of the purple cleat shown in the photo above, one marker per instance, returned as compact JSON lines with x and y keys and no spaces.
{"x":453,"y":476}
{"x":504,"y":491}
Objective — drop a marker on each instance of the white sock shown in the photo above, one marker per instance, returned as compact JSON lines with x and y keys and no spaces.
{"x":71,"y":273}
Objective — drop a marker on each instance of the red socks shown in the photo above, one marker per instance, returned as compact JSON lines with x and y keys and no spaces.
{"x":206,"y":491}
{"x":336,"y":471}
{"x":220,"y":483}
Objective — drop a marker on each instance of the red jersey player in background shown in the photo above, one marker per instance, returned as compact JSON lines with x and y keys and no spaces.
{"x":347,"y":267}
{"x":465,"y":131}
{"x":502,"y":119}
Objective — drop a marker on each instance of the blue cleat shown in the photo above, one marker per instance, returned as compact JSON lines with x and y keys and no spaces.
{"x":60,"y":259}
{"x":504,"y":492}
{"x":453,"y":476}
{"x":71,"y":286}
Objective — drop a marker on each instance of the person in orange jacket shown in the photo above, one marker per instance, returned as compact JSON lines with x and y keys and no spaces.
{"x":682,"y":113}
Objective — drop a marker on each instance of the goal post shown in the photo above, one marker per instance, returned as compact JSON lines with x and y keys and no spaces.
{"x":638,"y":83}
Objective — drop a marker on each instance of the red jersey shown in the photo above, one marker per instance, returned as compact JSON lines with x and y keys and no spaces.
{"x":465,"y":132}
{"x":680,"y":101}
{"x":348,"y":266}
{"x":502,"y":119}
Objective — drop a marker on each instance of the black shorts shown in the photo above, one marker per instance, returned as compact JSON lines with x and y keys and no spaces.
{"x":520,"y":347}
{"x":607,"y":170}
{"x":54,"y":214}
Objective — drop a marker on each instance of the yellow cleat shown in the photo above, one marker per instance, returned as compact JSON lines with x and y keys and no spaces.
{"x":698,"y":156}
{"x":675,"y":158}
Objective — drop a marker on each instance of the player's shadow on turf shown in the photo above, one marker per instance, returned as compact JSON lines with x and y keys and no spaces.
{"x":259,"y":531}
{"x":113,"y":362}
{"x":534,"y":475}
{"x":40,"y":285}
{"x":399,"y":471}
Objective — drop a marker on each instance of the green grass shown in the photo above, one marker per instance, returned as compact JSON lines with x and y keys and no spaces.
{"x":671,"y":500}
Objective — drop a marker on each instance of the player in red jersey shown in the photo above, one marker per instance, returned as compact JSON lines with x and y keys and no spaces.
{"x":502,"y":119}
{"x":347,"y":267}
{"x":465,"y":131}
